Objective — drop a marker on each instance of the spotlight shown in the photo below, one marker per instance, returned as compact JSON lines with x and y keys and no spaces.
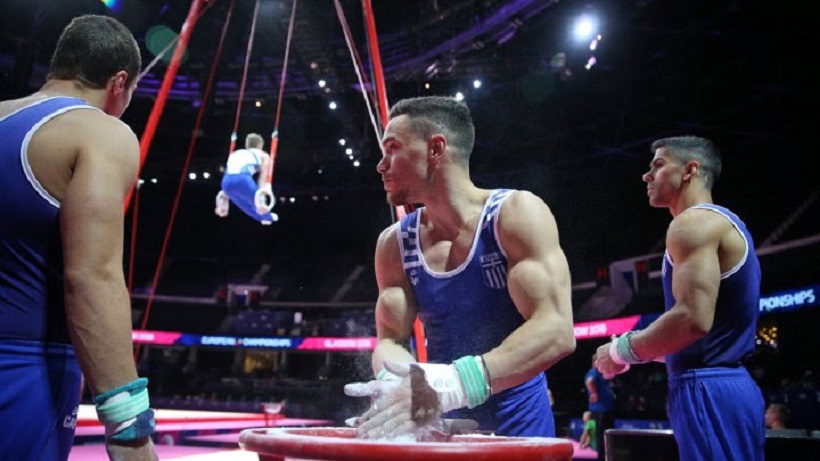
{"x":585,"y":27}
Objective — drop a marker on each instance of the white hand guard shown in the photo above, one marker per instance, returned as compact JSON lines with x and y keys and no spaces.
{"x":445,"y":380}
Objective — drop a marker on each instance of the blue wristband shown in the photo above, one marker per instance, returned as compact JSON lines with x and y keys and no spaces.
{"x":110,"y":412}
{"x":472,"y":376}
{"x":143,"y":427}
{"x":133,"y":410}
{"x":625,"y":349}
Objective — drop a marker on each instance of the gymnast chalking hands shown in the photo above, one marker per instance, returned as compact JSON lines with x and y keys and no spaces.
{"x":404,"y":402}
{"x":438,"y":431}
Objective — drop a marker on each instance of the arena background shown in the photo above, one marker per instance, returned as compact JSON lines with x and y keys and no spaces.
{"x":738,"y":72}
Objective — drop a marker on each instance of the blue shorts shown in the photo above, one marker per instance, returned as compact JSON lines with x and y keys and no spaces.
{"x":717,"y":414}
{"x":39,"y":399}
{"x":521,"y":411}
{"x":241,"y":189}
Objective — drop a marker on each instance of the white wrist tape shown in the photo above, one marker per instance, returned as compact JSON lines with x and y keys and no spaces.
{"x":445,"y":380}
{"x":614,"y":354}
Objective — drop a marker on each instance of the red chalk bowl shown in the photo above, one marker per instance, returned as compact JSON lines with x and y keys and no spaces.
{"x":341,"y":444}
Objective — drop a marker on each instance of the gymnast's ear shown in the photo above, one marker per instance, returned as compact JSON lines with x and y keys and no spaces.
{"x":691,"y":169}
{"x":436,"y":146}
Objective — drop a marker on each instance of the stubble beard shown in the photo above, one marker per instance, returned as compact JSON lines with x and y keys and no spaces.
{"x":657,"y":202}
{"x":396,"y":199}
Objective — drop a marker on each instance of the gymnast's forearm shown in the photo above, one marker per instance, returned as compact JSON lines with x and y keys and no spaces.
{"x":98,"y":309}
{"x":99,"y":320}
{"x":531,"y":349}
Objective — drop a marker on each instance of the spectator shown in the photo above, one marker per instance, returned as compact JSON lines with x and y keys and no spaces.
{"x":601,"y":406}
{"x":589,"y":435}
{"x":776,"y":416}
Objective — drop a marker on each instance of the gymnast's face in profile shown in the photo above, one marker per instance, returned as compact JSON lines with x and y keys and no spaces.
{"x":404,"y":161}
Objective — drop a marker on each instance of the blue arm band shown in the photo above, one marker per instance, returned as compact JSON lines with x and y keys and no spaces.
{"x":472,"y":376}
{"x":625,"y":349}
{"x":142,"y":427}
{"x":123,"y":409}
{"x":128,"y":416}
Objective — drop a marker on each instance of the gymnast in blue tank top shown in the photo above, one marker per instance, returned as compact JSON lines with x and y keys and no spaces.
{"x":711,"y":284}
{"x":468,"y":311}
{"x":484,"y":272}
{"x":34,"y":339}
{"x":67,"y":164}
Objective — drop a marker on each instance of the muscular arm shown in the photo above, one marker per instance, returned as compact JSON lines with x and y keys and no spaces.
{"x":692,"y":240}
{"x":539,"y":284}
{"x":263,"y":179}
{"x":91,"y":225}
{"x":395,"y":306}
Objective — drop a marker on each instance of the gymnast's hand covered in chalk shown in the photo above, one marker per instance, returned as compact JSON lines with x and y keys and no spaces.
{"x":411,"y":396}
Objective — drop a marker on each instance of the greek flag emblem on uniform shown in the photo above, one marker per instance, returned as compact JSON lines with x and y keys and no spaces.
{"x":494,"y":270}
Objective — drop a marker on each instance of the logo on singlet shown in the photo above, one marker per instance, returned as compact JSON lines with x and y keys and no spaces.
{"x":414,"y":279}
{"x":494,"y":269}
{"x":70,"y":421}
